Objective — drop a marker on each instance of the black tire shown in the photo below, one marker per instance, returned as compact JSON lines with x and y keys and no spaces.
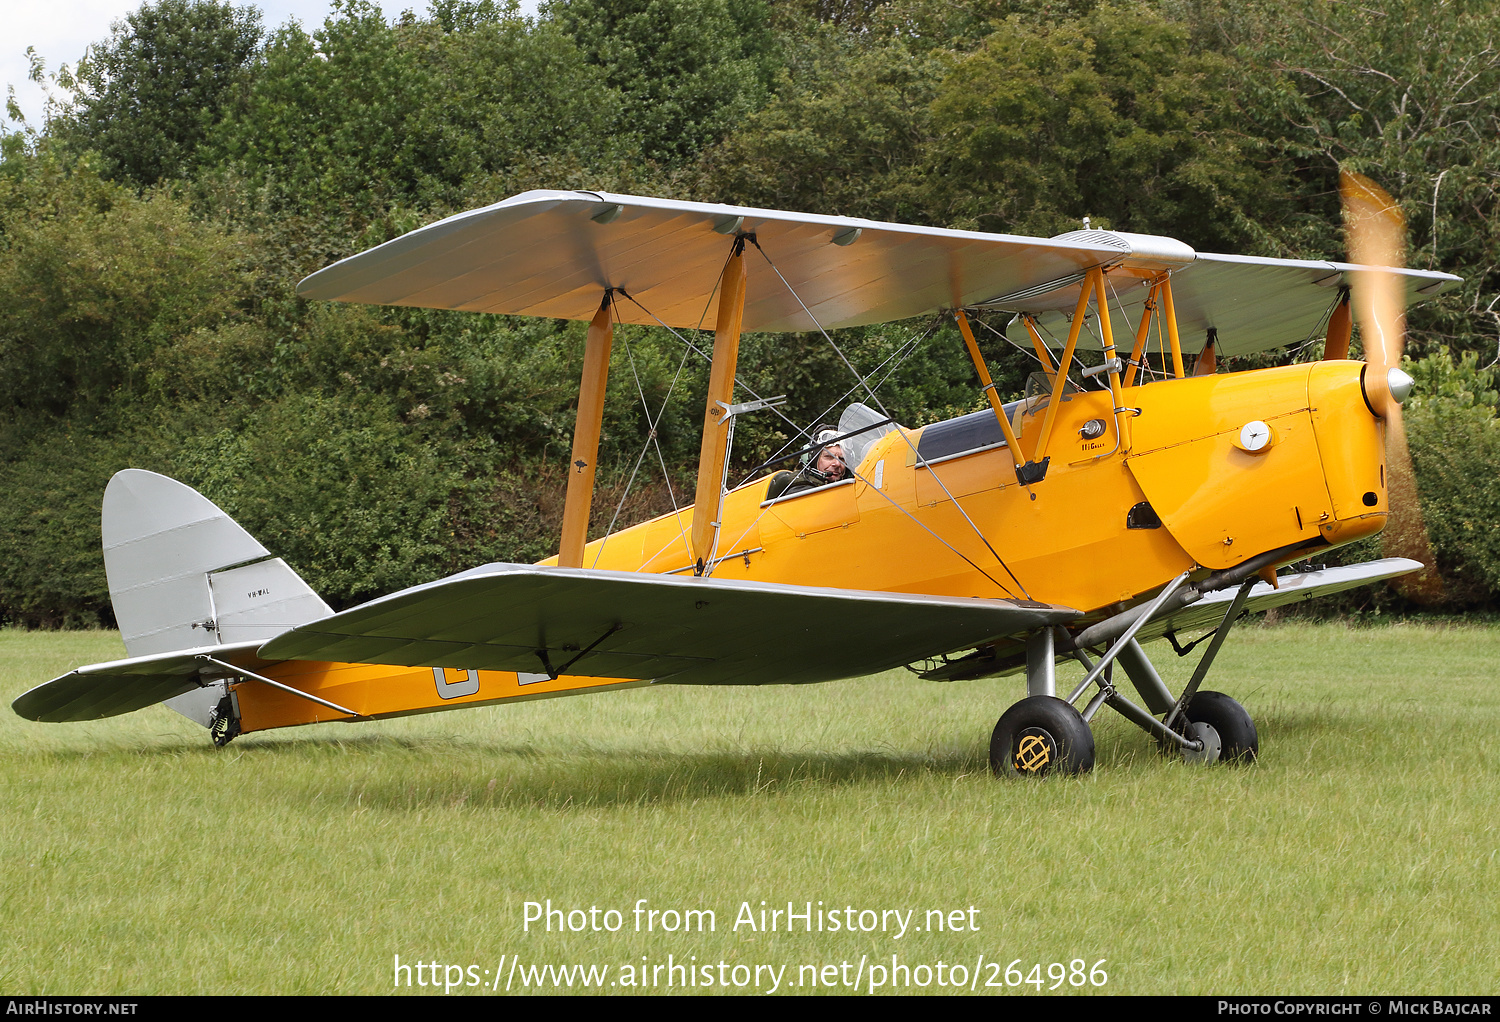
{"x":1041,"y":735}
{"x":1240,"y":743}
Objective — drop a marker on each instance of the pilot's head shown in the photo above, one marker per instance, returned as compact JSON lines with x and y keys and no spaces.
{"x":828,"y":461}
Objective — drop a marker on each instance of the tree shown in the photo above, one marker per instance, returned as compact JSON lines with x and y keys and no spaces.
{"x":146,"y":98}
{"x":1405,"y":91}
{"x":373,"y":117}
{"x":845,"y":134}
{"x":1111,"y":116}
{"x":687,"y":71}
{"x":1455,"y":447}
{"x":95,"y":281}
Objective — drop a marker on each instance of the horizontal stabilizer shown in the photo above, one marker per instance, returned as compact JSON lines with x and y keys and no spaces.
{"x":611,"y":624}
{"x":1308,"y":585}
{"x":120,"y":686}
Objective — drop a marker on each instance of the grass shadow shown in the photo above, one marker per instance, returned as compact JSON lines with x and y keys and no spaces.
{"x":413,"y":773}
{"x":609,"y":778}
{"x":417,"y":773}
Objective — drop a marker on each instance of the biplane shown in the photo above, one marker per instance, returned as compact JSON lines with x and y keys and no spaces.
{"x":1123,"y":499}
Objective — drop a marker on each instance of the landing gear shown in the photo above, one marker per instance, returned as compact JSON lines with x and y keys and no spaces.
{"x":223,"y":724}
{"x":1041,"y":735}
{"x":1238,"y":742}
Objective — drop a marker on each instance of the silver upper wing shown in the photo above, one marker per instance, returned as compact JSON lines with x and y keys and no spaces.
{"x":549,"y":253}
{"x":552,"y":254}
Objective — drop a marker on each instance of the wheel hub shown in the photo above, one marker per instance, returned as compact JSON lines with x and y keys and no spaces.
{"x":1212,"y":745}
{"x":1035,"y":751}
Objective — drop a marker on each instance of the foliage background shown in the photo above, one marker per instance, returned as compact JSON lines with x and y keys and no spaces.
{"x":200,"y":162}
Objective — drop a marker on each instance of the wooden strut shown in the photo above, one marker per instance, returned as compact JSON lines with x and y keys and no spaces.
{"x":1060,"y":380}
{"x":582,"y":465}
{"x":989,"y":388}
{"x":1142,"y":334}
{"x":1106,"y":331}
{"x":1340,"y":327}
{"x":1042,"y":354}
{"x":1208,"y":360}
{"x":708,"y":503}
{"x":1170,"y":312}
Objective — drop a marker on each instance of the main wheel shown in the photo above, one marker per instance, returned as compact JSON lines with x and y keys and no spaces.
{"x":1237,"y":738}
{"x":1041,"y":735}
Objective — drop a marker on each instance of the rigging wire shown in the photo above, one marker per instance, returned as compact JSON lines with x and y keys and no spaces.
{"x":901,"y":354}
{"x":651,"y":441}
{"x":888,"y":499}
{"x":1027,"y":351}
{"x":902,"y":432}
{"x":918,"y":522}
{"x":1059,"y":344}
{"x":690,"y":348}
{"x":1158,"y":320}
{"x":1145,"y":368}
{"x":709,"y":359}
{"x":1319,"y":330}
{"x":1133,"y":326}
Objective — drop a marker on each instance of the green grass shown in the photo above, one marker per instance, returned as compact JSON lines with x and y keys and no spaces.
{"x":1358,"y":856}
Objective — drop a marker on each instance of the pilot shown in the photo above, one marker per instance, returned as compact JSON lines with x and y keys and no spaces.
{"x":823,"y":466}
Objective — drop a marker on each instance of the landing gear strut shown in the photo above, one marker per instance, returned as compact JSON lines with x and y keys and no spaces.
{"x":1043,"y":734}
{"x":223,"y":722}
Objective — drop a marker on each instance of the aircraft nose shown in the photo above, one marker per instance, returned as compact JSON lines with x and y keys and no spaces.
{"x":1400,"y":384}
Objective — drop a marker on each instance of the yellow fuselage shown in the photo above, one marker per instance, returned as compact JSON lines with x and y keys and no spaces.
{"x":900,"y":526}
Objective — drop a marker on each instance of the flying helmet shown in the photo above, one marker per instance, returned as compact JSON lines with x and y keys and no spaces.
{"x":823,"y":436}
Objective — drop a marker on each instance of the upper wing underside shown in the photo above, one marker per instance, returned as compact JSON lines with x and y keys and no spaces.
{"x":552,"y":254}
{"x":626,"y":625}
{"x":1252,"y":303}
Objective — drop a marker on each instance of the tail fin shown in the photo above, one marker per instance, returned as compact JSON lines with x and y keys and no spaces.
{"x":182,"y":574}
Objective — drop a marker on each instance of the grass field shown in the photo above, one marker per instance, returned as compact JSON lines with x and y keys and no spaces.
{"x":1358,"y":856}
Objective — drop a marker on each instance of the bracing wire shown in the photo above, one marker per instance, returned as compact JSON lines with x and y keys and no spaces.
{"x":918,"y":522}
{"x":900,"y":355}
{"x":1123,"y":315}
{"x":1026,"y":351}
{"x":651,"y":441}
{"x":902,"y":432}
{"x":709,"y":359}
{"x":690,"y":348}
{"x":904,"y":351}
